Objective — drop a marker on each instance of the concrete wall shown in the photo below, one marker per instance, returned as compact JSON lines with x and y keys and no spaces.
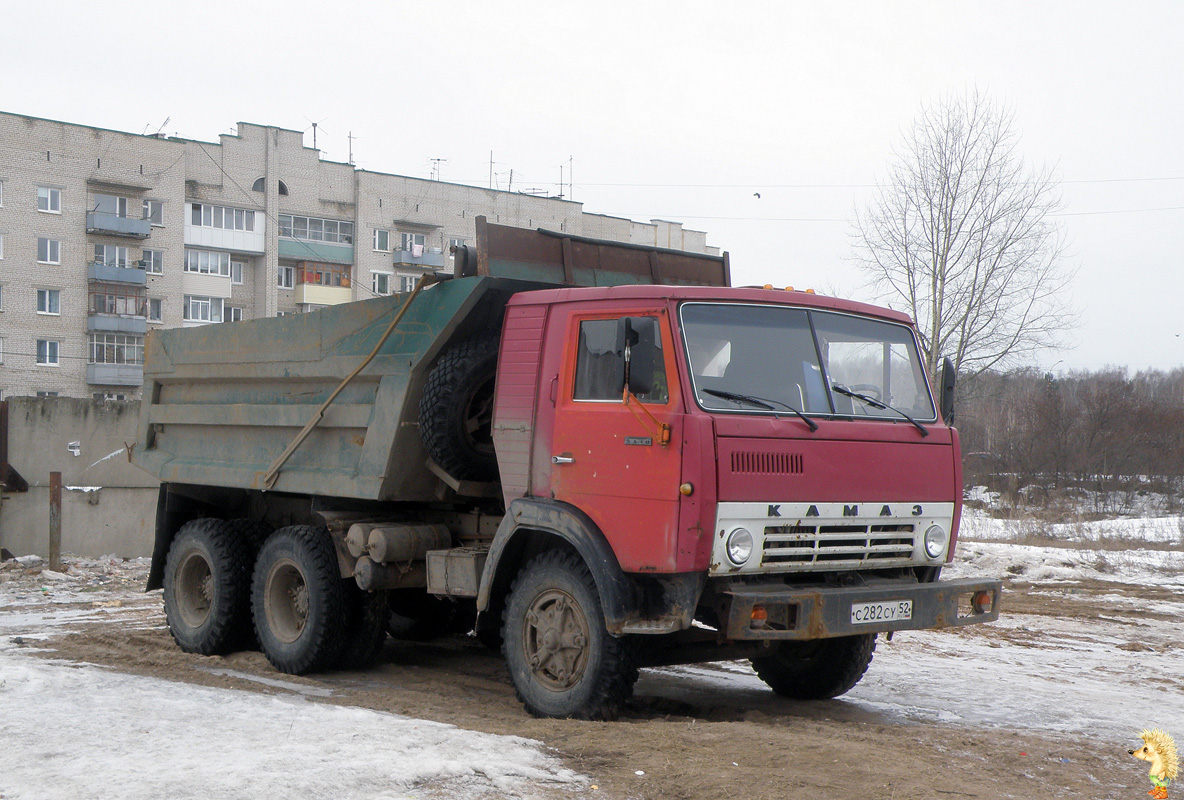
{"x":108,"y":506}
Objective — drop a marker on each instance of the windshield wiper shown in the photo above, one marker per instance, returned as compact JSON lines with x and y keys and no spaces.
{"x":762,"y":402}
{"x":874,"y":403}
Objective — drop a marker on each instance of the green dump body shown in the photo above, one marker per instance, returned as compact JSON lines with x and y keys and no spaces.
{"x":222,"y":402}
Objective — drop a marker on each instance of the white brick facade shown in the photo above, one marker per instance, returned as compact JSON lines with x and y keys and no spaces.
{"x":264,"y":203}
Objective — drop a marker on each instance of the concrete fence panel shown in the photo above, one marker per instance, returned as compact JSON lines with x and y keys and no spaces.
{"x":108,"y":506}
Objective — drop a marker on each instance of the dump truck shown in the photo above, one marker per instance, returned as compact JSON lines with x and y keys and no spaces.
{"x":595,"y":456}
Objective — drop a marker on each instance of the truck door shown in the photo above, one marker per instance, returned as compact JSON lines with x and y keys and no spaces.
{"x":607,"y":455}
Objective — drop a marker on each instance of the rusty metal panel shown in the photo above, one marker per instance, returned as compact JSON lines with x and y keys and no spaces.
{"x":562,"y":259}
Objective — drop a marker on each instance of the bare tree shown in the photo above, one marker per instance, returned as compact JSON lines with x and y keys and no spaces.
{"x":964,"y":235}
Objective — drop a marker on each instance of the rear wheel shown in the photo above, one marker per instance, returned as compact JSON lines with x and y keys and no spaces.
{"x":816,"y":670}
{"x":207,"y":587}
{"x":563,"y":662}
{"x":298,"y":600}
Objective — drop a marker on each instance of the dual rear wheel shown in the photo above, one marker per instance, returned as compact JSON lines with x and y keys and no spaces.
{"x":290,"y":595}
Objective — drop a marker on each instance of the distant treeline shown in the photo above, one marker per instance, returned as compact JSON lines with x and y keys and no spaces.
{"x":1100,"y":441}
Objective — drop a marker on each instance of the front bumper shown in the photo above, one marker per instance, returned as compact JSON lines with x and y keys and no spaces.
{"x":824,"y":612}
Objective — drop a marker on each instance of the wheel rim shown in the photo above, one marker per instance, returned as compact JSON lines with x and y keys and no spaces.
{"x":478,"y":419}
{"x":555,"y":641}
{"x":194,"y":589}
{"x":286,"y":601}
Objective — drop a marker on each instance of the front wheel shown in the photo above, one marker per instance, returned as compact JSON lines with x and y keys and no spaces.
{"x":816,"y":670}
{"x":562,"y":661}
{"x":298,"y":600}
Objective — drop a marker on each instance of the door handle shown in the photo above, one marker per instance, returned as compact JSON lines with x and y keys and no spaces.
{"x":563,"y":459}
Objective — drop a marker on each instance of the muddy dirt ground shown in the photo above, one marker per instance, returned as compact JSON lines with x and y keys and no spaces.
{"x":678,"y":739}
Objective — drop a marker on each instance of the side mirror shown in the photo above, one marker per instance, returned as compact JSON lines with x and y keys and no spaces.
{"x":636,"y":338}
{"x":948,"y":376}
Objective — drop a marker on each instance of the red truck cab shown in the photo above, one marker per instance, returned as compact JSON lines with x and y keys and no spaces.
{"x":752,"y":468}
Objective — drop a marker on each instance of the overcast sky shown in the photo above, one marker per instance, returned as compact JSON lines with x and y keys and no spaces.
{"x":675,"y":110}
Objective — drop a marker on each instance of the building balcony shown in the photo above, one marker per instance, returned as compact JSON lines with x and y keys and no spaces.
{"x":115,"y":374}
{"x":315,"y":294}
{"x":427,"y":258}
{"x":114,"y":225}
{"x":325,"y":252}
{"x":116,"y":323}
{"x":110,"y":273}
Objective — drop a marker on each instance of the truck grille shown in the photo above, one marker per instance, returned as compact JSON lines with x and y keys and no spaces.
{"x":838,"y":546}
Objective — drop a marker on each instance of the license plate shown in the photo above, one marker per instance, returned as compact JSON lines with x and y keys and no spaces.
{"x":889,"y":611}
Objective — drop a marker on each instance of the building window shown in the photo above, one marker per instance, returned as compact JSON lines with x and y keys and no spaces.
{"x":49,"y":251}
{"x":380,"y":282}
{"x":47,"y":394}
{"x":234,"y":314}
{"x":115,"y":348}
{"x":231,"y":219}
{"x":1,"y":298}
{"x":286,"y":277}
{"x":407,"y":283}
{"x":49,"y":301}
{"x":105,"y":396}
{"x":110,"y":298}
{"x":236,"y":272}
{"x":410,"y":241}
{"x":205,"y":262}
{"x":1,"y":246}
{"x":1,"y":194}
{"x":323,"y":275}
{"x":155,"y":309}
{"x":111,"y":255}
{"x":49,"y":200}
{"x":202,"y":309}
{"x":1,"y":354}
{"x":152,"y":261}
{"x":382,"y":240}
{"x":110,"y":204}
{"x":154,"y":211}
{"x":316,"y":230}
{"x":47,"y":352}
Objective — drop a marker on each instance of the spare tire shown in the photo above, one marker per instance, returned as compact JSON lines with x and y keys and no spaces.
{"x":456,"y":410}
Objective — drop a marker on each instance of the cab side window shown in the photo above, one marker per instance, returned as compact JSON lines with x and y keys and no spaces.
{"x":600,"y":361}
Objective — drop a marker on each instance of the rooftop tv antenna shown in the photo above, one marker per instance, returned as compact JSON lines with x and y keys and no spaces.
{"x":314,"y":125}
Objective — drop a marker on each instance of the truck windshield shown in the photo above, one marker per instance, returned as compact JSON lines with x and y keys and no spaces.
{"x":794,"y":357}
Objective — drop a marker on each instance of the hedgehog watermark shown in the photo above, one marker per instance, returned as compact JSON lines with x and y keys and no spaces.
{"x":1160,"y":749}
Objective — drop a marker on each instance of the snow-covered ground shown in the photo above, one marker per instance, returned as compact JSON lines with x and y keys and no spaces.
{"x":71,"y":730}
{"x":1107,"y":667}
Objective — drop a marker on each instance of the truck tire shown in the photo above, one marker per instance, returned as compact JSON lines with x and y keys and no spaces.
{"x":365,"y":627}
{"x":816,"y":670}
{"x":563,"y":663}
{"x":456,"y":410}
{"x":298,"y":600}
{"x":207,"y":587}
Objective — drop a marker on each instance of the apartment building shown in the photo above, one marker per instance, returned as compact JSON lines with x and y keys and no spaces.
{"x":105,"y":235}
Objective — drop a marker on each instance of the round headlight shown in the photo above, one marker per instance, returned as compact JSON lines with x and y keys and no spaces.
{"x":935,"y":541}
{"x":739,"y":546}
